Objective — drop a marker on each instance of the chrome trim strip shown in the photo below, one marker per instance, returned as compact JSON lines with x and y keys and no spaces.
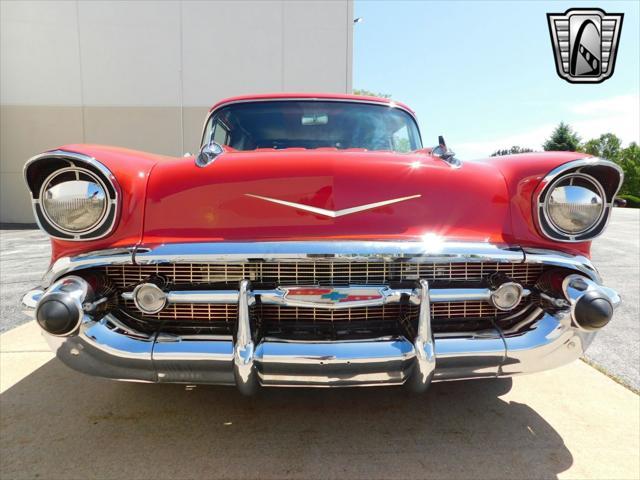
{"x":581,"y":162}
{"x":98,"y":258}
{"x":563,"y":260}
{"x":556,"y":173}
{"x":278,"y":296}
{"x":312,"y":251}
{"x":79,"y":157}
{"x":333,"y":213}
{"x":431,"y":250}
{"x":200,"y":296}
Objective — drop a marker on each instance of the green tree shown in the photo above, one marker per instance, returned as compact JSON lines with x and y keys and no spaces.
{"x":606,"y":146}
{"x":511,"y":151}
{"x":629,"y":160}
{"x":563,"y":138}
{"x":369,"y":93}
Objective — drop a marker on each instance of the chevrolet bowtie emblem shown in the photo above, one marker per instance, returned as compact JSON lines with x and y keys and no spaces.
{"x":333,"y":213}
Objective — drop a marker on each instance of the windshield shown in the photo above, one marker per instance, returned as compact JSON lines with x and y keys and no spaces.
{"x":313,"y":124}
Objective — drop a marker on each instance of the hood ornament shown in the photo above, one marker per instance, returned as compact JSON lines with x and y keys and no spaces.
{"x":333,"y":213}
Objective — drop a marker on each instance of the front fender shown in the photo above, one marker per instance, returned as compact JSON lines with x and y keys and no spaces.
{"x":128,"y":170}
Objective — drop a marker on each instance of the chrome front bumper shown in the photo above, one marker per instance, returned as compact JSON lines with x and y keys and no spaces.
{"x":110,"y":349}
{"x":103,"y":349}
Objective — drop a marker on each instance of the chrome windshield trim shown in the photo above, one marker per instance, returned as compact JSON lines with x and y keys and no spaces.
{"x":390,"y":104}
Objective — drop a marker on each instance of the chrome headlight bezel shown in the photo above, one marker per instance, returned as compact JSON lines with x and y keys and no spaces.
{"x":41,"y":170}
{"x":604,"y":177}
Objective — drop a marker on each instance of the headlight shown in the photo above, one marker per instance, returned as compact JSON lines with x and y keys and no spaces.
{"x":74,"y":200}
{"x":575,"y":204}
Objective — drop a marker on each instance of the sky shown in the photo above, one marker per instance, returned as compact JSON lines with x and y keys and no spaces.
{"x":483,"y":74}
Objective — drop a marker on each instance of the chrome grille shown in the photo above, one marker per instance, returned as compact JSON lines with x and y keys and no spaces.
{"x":228,"y":312}
{"x":221,"y":318}
{"x":472,"y":309}
{"x":319,"y":272}
{"x":222,"y":312}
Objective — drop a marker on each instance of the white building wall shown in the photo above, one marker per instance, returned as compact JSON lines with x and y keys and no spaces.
{"x":142,"y":74}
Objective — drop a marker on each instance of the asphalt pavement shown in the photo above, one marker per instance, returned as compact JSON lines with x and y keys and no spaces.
{"x":616,"y":254}
{"x":24,"y":258}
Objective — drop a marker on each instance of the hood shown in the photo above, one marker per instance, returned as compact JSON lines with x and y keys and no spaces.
{"x":221,"y":202}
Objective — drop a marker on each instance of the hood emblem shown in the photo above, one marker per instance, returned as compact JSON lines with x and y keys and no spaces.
{"x":333,"y":213}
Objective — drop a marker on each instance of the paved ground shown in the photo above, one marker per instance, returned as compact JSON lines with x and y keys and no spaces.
{"x":616,"y":254}
{"x":24,"y":256}
{"x":572,"y":422}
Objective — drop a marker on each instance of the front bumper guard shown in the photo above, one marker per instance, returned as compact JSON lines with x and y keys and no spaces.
{"x":109,"y":349}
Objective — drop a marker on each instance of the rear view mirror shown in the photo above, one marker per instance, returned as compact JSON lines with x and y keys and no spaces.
{"x":315,"y":119}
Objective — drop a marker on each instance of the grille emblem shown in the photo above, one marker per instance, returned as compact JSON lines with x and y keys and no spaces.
{"x":332,"y":296}
{"x":585,"y":43}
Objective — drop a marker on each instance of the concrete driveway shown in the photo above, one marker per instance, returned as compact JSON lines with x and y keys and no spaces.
{"x":573,"y":422}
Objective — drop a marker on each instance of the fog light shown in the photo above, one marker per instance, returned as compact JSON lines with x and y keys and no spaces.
{"x":149,"y":298}
{"x":507,"y":296}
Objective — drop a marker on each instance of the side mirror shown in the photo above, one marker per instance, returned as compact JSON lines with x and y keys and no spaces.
{"x":208,"y":154}
{"x":443,"y":152}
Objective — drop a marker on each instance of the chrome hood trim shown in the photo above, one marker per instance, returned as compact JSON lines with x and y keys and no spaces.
{"x":333,"y":213}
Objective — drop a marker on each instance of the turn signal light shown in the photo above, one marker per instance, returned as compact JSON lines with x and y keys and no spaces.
{"x":149,"y":298}
{"x":507,"y":296}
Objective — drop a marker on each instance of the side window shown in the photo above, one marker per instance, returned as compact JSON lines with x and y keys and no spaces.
{"x":221,"y":134}
{"x":401,"y":140}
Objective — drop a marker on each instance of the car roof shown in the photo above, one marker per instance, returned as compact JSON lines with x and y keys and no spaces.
{"x":310,"y":96}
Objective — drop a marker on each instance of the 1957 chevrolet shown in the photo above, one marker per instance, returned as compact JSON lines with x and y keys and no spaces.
{"x":314,"y":241}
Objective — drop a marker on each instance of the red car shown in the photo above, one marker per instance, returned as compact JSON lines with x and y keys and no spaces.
{"x":316,"y":241}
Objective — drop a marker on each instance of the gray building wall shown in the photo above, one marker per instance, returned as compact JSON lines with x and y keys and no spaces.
{"x":142,"y":74}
